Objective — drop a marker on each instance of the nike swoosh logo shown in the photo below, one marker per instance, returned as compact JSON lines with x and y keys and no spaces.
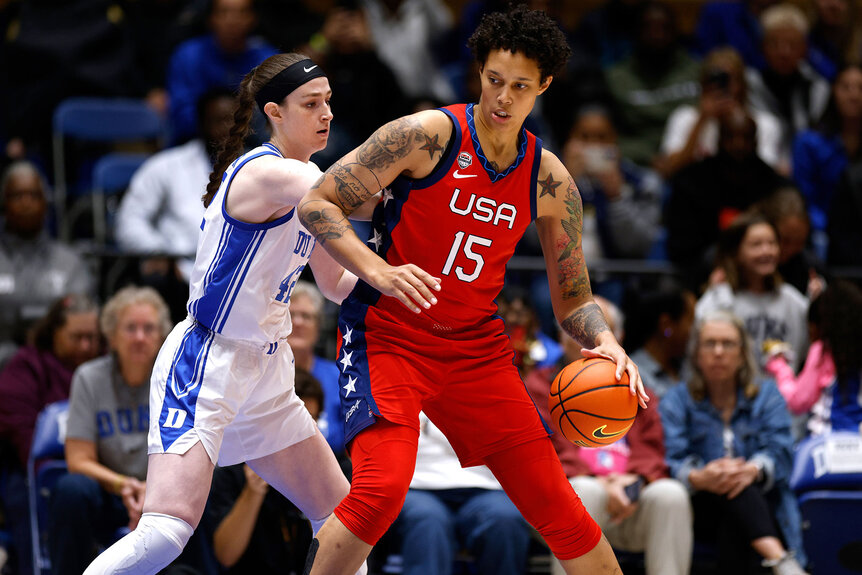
{"x":309,"y":69}
{"x":600,"y":433}
{"x":458,"y":176}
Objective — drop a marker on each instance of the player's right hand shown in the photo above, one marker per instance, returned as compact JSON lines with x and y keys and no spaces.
{"x":410,"y":284}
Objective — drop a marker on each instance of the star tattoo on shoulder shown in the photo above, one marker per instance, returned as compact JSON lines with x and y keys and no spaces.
{"x":431,"y":144}
{"x":549,"y":186}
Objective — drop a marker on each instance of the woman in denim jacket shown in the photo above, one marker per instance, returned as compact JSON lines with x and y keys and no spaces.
{"x":728,"y":439}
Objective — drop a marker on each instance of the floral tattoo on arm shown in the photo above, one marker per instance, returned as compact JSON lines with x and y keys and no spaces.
{"x":587,"y":322}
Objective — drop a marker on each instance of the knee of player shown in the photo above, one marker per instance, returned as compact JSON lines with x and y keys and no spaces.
{"x":382,"y":498}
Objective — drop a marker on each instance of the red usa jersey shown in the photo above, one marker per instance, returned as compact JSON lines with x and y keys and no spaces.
{"x":460,"y":223}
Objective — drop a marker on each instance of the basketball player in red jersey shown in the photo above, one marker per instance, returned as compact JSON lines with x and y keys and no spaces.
{"x":460,"y":186}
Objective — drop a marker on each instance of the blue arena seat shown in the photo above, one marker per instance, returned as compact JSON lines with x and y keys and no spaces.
{"x":827,"y":479}
{"x":108,"y":121}
{"x":45,"y":466}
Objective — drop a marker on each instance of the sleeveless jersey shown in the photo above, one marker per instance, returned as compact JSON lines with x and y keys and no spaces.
{"x":244,"y":273}
{"x":461,"y":223}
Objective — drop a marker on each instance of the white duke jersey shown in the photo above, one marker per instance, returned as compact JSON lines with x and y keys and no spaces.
{"x":244,"y":273}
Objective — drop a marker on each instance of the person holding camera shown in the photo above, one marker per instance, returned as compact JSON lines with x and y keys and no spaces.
{"x":691,"y":133}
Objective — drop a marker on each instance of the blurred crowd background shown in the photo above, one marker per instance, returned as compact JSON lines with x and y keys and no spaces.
{"x":717,"y":147}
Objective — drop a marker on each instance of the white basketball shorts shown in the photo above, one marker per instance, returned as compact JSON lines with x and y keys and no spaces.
{"x":236,"y":398}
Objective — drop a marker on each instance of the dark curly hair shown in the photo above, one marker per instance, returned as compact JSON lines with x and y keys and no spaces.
{"x":838,"y":313}
{"x":521,"y":30}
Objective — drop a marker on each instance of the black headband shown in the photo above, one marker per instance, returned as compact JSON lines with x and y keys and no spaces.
{"x":287,"y":81}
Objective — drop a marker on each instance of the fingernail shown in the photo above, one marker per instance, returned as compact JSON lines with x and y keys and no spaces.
{"x":434,"y":300}
{"x":437,"y":287}
{"x":426,"y":305}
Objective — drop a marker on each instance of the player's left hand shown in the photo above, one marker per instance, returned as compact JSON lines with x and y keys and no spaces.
{"x":615,"y":353}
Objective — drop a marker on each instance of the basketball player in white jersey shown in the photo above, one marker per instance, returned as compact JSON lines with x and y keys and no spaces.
{"x":222,"y":387}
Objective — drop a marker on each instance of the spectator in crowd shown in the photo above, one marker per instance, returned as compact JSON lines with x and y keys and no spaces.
{"x":533,"y":347}
{"x":256,"y":528}
{"x":624,"y":486}
{"x":835,"y":38}
{"x":605,"y":35}
{"x":161,"y":211}
{"x":34,"y":269}
{"x":306,"y":315}
{"x":405,"y":34}
{"x":287,"y":24}
{"x":727,"y":437}
{"x":647,"y":86}
{"x":821,"y":154}
{"x":734,"y":23}
{"x":797,"y":263}
{"x":748,"y":285}
{"x":39,"y":374}
{"x":343,"y":46}
{"x":622,"y":201}
{"x":658,"y":331}
{"x":218,"y":59}
{"x":787,"y":87}
{"x":691,"y":133}
{"x":106,"y":433}
{"x":449,"y":508}
{"x":845,"y":233}
{"x":79,"y":48}
{"x":828,"y":387}
{"x":707,"y":195}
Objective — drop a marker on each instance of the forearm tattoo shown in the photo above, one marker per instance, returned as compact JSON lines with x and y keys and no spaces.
{"x":349,"y":189}
{"x":321,"y":224}
{"x":585,"y":324}
{"x":573,"y":278}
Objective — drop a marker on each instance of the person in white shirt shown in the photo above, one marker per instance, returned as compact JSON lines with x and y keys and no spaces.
{"x":161,"y":212}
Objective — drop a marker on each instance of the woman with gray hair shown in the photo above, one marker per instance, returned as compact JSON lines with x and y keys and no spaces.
{"x":727,"y":438}
{"x":106,"y":434}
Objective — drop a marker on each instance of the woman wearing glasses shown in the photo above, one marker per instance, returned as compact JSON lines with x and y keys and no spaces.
{"x":727,"y":438}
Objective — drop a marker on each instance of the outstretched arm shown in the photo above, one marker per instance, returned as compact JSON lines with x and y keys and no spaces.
{"x":560,"y":223}
{"x":412,"y":146}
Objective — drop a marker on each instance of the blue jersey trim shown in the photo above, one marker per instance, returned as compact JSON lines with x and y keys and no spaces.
{"x":493,"y":174}
{"x":241,"y":280}
{"x":229,"y":294}
{"x":218,"y":291}
{"x":534,"y":178}
{"x":272,"y":147}
{"x":443,"y":167}
{"x":247,"y":225}
{"x":222,"y":246}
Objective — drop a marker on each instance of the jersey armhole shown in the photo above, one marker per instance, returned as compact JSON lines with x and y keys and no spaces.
{"x":534,"y":178}
{"x":446,"y":158}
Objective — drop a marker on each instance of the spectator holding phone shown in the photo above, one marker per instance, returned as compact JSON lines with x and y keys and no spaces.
{"x":691,"y":133}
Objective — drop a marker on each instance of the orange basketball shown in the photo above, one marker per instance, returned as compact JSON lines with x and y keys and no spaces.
{"x":589,"y":406}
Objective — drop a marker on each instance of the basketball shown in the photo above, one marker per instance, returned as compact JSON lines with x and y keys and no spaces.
{"x":589,"y":406}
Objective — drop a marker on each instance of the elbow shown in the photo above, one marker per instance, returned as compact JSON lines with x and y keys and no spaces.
{"x":224,"y":558}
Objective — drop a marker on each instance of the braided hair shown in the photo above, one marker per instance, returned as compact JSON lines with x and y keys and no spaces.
{"x":245,"y":106}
